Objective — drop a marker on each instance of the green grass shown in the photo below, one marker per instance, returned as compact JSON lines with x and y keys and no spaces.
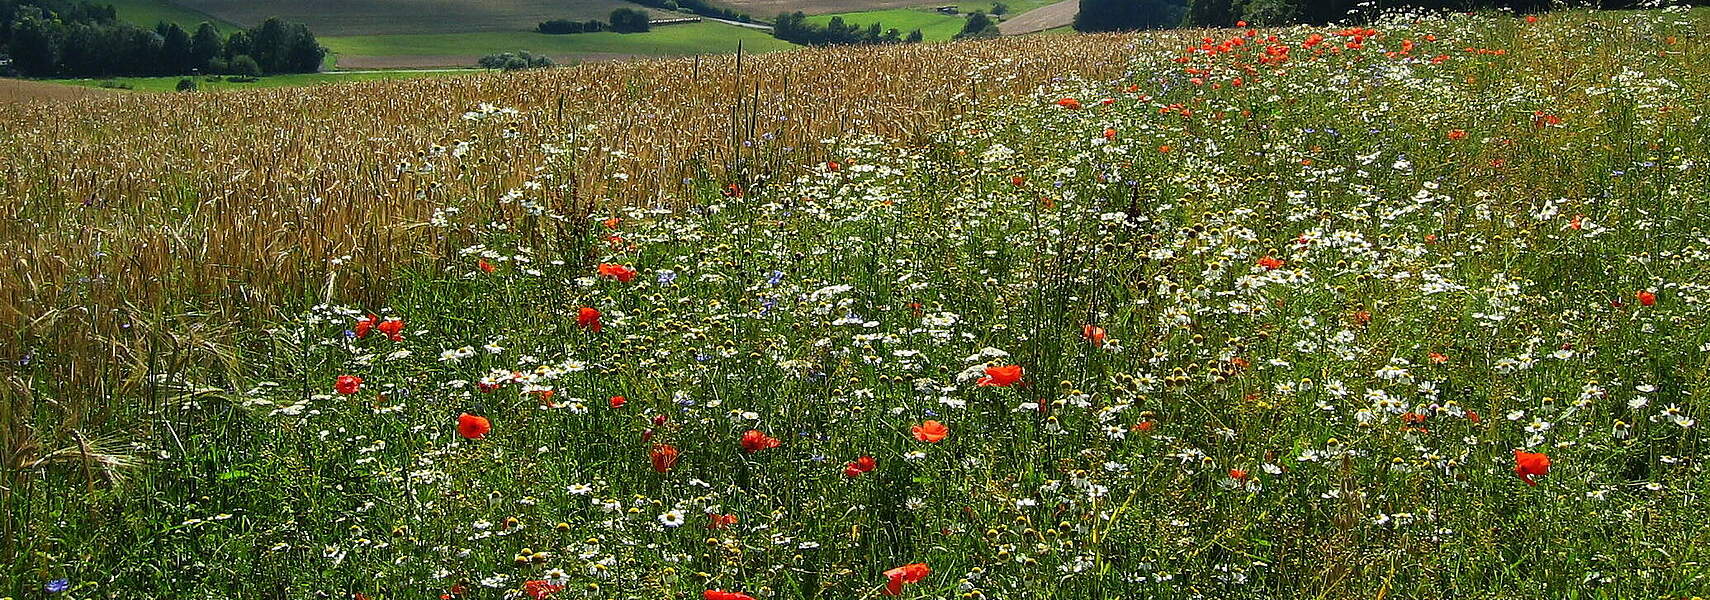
{"x":695,"y":38}
{"x":935,"y":26}
{"x":149,"y":12}
{"x":1015,"y":8}
{"x":212,"y":84}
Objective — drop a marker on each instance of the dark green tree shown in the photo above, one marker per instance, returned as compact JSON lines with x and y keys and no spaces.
{"x":978,"y":25}
{"x":1210,"y":13}
{"x":238,"y":44}
{"x":245,"y":66}
{"x":175,"y":52}
{"x":1128,"y":15}
{"x":1278,"y":12}
{"x":269,"y":45}
{"x":34,"y":47}
{"x":304,"y":54}
{"x":205,"y":46}
{"x":629,"y":20}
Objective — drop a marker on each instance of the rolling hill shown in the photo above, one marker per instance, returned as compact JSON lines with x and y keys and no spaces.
{"x":333,"y":18}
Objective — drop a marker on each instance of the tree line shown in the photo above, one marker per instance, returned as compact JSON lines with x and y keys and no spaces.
{"x":57,"y":38}
{"x":1126,"y":15}
{"x":699,"y":7}
{"x":623,"y":20}
{"x":793,"y":27}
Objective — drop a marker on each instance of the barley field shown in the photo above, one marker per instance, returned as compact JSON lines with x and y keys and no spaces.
{"x":1414,"y":308}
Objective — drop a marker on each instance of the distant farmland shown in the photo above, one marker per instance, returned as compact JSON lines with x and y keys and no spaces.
{"x":380,"y":17}
{"x":463,"y":49}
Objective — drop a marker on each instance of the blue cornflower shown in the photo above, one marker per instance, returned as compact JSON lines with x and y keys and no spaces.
{"x":58,"y":585}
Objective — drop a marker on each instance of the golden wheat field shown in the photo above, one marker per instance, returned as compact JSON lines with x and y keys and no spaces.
{"x":203,"y":209}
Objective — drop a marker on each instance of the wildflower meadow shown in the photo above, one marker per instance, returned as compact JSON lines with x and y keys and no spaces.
{"x":1417,"y":307}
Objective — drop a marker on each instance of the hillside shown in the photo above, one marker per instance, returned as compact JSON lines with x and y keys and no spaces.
{"x":1415,"y":309}
{"x":334,"y":18}
{"x":1052,"y":16}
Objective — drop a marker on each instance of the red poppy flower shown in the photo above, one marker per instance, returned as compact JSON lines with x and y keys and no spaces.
{"x":1069,"y":103}
{"x":616,"y":271}
{"x":472,"y":427}
{"x":724,"y":595}
{"x":1004,"y":376}
{"x":486,"y":267}
{"x":1094,"y":334}
{"x":1238,"y":474}
{"x":718,"y":521}
{"x":755,"y":440}
{"x":611,"y":223}
{"x":1457,"y":134}
{"x":1270,"y":263}
{"x":347,"y":384}
{"x":540,"y":589}
{"x":365,"y":325}
{"x":663,"y":456}
{"x":1646,"y":298}
{"x":393,"y":328}
{"x":831,"y":165}
{"x":1530,"y":464}
{"x":618,"y":401}
{"x":589,"y":318}
{"x":931,"y":432}
{"x":909,"y":573}
{"x":861,"y":465}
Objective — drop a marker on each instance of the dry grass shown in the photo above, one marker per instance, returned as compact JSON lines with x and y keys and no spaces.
{"x":23,"y":91}
{"x":138,"y":214}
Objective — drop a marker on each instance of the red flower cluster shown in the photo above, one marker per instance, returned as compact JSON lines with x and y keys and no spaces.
{"x":663,"y":456}
{"x":347,"y":384}
{"x":615,"y":271}
{"x":589,"y":318}
{"x":472,"y":427}
{"x":931,"y":432}
{"x":860,"y":465}
{"x":909,"y":573}
{"x":1004,"y":376}
{"x":1530,"y":464}
{"x":755,"y":440}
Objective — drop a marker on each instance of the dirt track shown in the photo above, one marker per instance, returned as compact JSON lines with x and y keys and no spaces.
{"x":1042,"y":18}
